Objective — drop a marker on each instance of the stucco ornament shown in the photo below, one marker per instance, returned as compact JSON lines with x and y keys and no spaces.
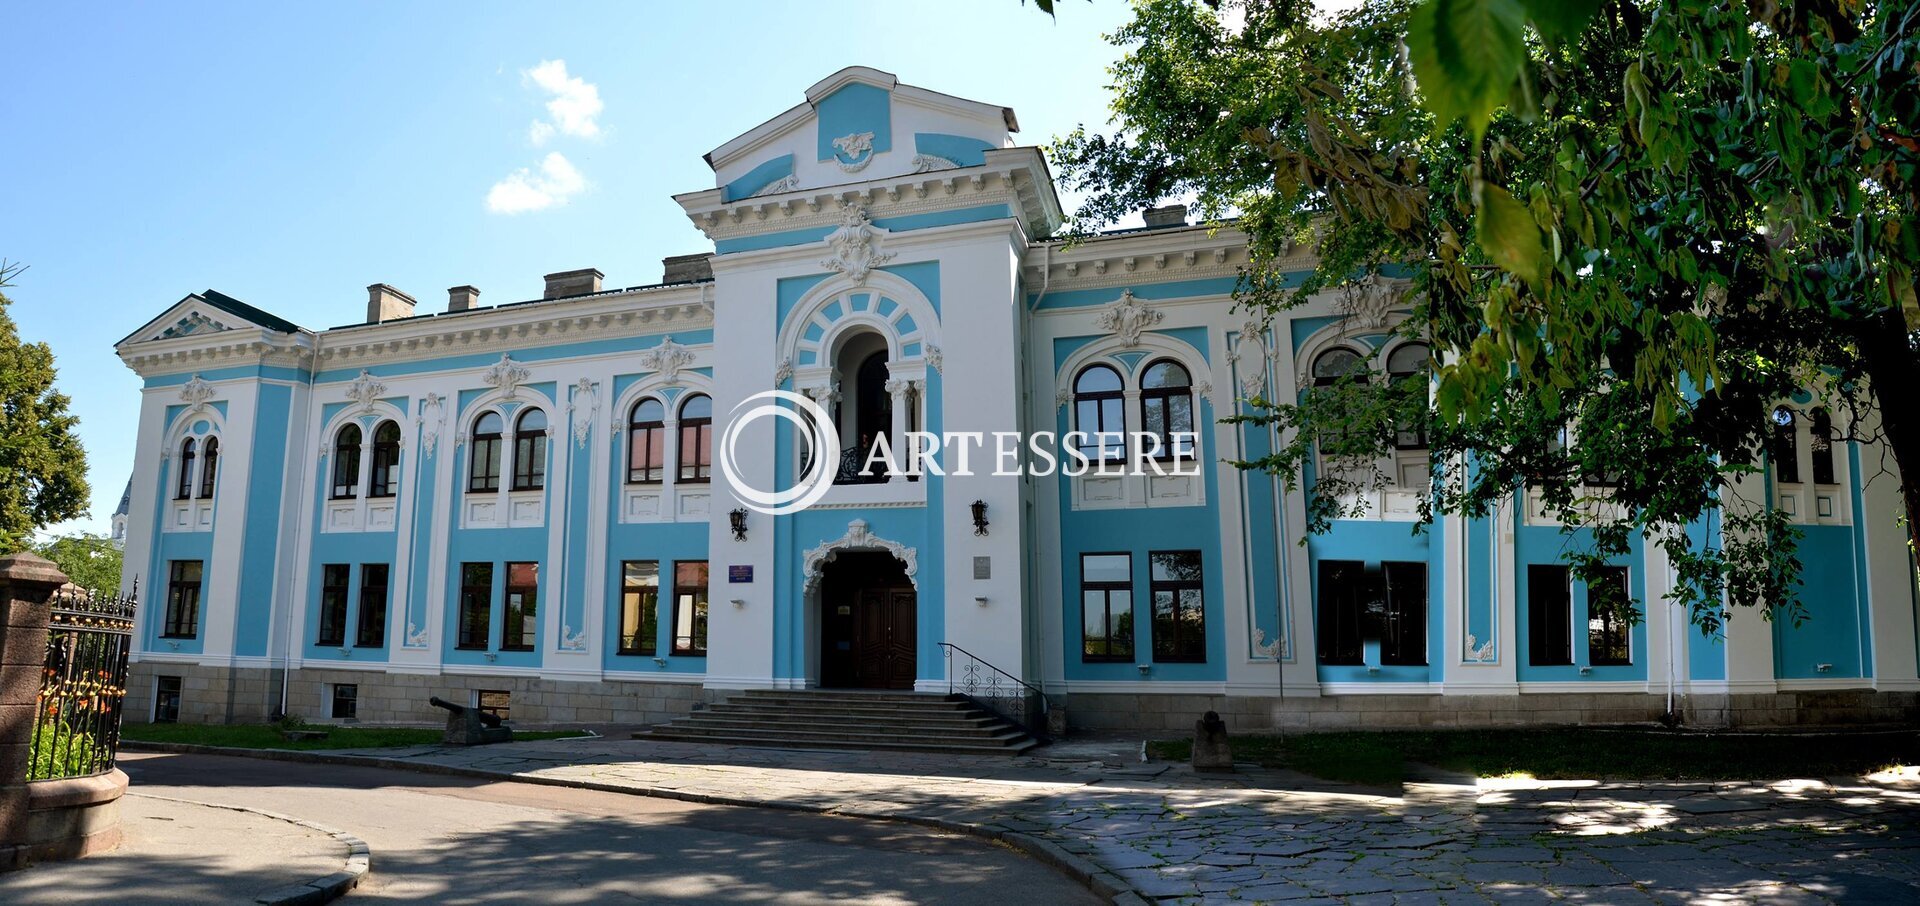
{"x":928,"y":163}
{"x":859,"y":537}
{"x":572,"y":641}
{"x":855,"y":244}
{"x":853,"y":152}
{"x":935,"y":359}
{"x":1062,"y":397}
{"x":1478,"y":653}
{"x":785,"y":183}
{"x":428,"y":419}
{"x":667,"y":359}
{"x":1128,"y":318}
{"x":365,"y":391}
{"x":416,"y":636}
{"x":1250,"y":359}
{"x":193,"y":323}
{"x":784,"y":372}
{"x":1369,"y":300}
{"x":196,"y":393}
{"x":1277,"y":649}
{"x":584,"y":405}
{"x":507,"y":375}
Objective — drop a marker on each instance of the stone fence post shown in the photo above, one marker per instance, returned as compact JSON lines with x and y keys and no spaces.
{"x":27,"y":584}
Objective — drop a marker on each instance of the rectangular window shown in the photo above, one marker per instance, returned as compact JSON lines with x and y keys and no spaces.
{"x":1342,"y":610}
{"x":1403,"y":637}
{"x":1106,"y":602}
{"x":696,"y":450}
{"x":497,"y":702}
{"x":1785,"y":453}
{"x":346,"y":469}
{"x":346,"y":701}
{"x":333,"y":605}
{"x":529,"y":461}
{"x":1179,"y":612}
{"x":1608,"y":634}
{"x":639,"y":606}
{"x":523,"y":607}
{"x":1549,"y":616}
{"x":646,"y":453}
{"x":372,"y":632}
{"x":183,"y":600}
{"x":166,"y":700}
{"x":484,"y":474}
{"x":690,"y":607}
{"x":476,"y":605}
{"x":1820,"y":445}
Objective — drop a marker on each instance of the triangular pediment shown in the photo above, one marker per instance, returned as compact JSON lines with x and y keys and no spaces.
{"x":206,"y":313}
{"x":855,"y":125}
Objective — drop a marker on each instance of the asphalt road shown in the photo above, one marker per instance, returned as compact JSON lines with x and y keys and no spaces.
{"x":457,"y":840}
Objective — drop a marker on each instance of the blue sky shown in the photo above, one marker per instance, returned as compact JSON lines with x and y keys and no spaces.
{"x":291,"y":154}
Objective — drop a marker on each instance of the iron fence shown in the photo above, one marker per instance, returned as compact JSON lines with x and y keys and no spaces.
{"x":996,"y":690}
{"x":76,"y":728}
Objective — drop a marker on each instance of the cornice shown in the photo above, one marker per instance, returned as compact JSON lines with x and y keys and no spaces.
{"x":1013,"y":176}
{"x":1148,"y":256}
{"x":604,"y":316}
{"x":221,"y":349}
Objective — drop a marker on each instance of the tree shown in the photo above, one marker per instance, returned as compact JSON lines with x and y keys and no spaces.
{"x":43,"y":470}
{"x":1649,"y":221}
{"x":90,"y":561}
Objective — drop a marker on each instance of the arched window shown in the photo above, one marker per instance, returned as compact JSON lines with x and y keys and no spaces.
{"x":183,"y":486}
{"x":483,"y":469}
{"x":209,"y":467}
{"x":1166,"y":409}
{"x":1820,"y":444}
{"x":647,"y":442}
{"x":530,"y":451}
{"x":346,"y":461}
{"x":1336,"y":363}
{"x":1407,"y":367}
{"x":385,"y":476}
{"x":1099,"y":412}
{"x":696,"y":439}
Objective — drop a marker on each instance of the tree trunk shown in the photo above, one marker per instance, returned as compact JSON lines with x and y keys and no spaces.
{"x":1894,"y":370}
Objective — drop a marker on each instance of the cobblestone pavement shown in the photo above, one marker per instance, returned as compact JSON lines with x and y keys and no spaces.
{"x":1269,"y":836}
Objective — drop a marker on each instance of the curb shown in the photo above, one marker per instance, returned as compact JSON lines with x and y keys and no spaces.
{"x":309,"y":893}
{"x":1096,"y":878}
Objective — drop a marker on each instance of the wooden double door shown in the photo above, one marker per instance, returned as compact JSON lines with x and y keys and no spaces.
{"x":867,"y":623}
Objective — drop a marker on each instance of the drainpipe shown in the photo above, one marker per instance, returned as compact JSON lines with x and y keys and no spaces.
{"x":299,"y":536}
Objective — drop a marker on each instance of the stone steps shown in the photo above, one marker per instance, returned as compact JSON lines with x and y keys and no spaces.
{"x":884,"y":721}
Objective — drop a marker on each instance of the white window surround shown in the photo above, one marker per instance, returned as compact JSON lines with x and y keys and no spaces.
{"x":1806,"y":502}
{"x":194,"y":513}
{"x":360,"y":512}
{"x":505,"y":507}
{"x":1408,"y":471}
{"x":1147,"y":490}
{"x":669,"y":499}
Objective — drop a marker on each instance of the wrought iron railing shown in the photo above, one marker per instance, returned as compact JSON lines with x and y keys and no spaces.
{"x":852,"y":464}
{"x":996,"y":690}
{"x":76,"y":727}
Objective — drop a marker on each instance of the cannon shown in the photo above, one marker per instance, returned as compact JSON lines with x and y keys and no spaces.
{"x":470,"y":726}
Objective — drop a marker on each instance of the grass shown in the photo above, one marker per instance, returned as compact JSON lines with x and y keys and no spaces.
{"x":1379,"y":758}
{"x":267,"y":736}
{"x":62,"y":754}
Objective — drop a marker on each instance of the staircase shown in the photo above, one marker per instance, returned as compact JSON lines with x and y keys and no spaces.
{"x":848,"y":719}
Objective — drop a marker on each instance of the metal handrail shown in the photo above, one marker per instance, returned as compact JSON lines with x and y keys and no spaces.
{"x":988,"y":692}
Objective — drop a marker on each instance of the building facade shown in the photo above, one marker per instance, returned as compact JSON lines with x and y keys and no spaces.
{"x":523,"y":504}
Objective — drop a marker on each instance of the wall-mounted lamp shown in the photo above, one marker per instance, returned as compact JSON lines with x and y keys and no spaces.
{"x":738,"y":520}
{"x":491,"y":657}
{"x":1144,"y":668}
{"x":739,"y":602}
{"x":1585,"y":670}
{"x":1822,"y":668}
{"x":979,"y":517}
{"x":980,"y":600}
{"x":346,"y":652}
{"x":659,"y":662}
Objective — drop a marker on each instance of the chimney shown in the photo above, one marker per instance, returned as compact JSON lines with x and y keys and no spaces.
{"x":687,"y":268}
{"x":384,"y":303}
{"x":573,"y":283}
{"x":463,"y":298}
{"x":1165,"y":215}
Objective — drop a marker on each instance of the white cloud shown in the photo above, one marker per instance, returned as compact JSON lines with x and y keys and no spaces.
{"x":573,"y":107}
{"x":524,"y":190}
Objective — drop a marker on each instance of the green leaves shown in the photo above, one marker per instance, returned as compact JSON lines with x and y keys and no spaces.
{"x":1467,"y":56}
{"x":1508,"y":234}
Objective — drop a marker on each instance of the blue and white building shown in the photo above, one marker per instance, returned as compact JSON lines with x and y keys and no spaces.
{"x":519,"y":503}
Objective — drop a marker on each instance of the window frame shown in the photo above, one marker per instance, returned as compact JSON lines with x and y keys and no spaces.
{"x":346,"y":463}
{"x":182,"y":616}
{"x":1396,"y":649}
{"x":333,"y":603}
{"x":1163,"y":397}
{"x":1610,"y":626}
{"x":1396,"y":378}
{"x":166,"y":702}
{"x":183,"y":484}
{"x":702,"y":428}
{"x":1094,"y":442}
{"x":641,"y":436}
{"x":527,"y":609}
{"x":369,"y":632}
{"x":1330,"y":650}
{"x":1106,"y":588}
{"x":472,"y":593}
{"x":483,"y":455}
{"x":352,"y":700}
{"x":529,"y":451}
{"x":1821,"y":445}
{"x":636,"y":611}
{"x":383,"y":473}
{"x":699,"y":609}
{"x":1537,"y":628}
{"x":1175,"y":586}
{"x":209,"y":467}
